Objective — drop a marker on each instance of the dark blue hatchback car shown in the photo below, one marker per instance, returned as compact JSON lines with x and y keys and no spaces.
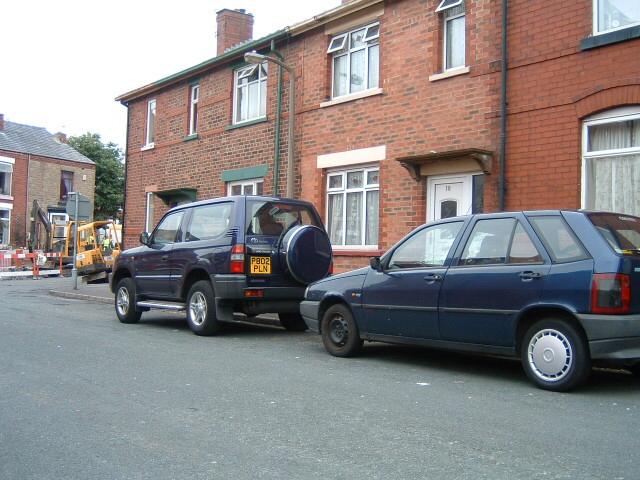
{"x":559,"y":289}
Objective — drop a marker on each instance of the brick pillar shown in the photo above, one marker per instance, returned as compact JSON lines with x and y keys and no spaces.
{"x":234,"y":27}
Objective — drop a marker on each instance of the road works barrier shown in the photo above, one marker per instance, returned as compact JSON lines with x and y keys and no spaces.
{"x":18,"y":263}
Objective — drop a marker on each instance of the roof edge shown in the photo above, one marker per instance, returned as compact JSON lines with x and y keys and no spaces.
{"x":294,"y":30}
{"x":330,"y":15}
{"x":212,"y":62}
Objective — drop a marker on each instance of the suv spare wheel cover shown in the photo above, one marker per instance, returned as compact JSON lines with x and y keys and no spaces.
{"x":307,"y":252}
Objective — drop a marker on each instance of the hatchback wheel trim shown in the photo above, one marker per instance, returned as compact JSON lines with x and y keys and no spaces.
{"x":338,"y":330}
{"x":122,"y":302}
{"x":198,"y":308}
{"x":550,"y":355}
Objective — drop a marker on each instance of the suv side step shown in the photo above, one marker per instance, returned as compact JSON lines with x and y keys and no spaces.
{"x":176,"y":307}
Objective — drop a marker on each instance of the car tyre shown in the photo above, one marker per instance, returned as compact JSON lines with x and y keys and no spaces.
{"x":125,"y":301}
{"x":201,"y":309}
{"x":340,"y":334}
{"x":292,"y":322}
{"x":555,"y":356}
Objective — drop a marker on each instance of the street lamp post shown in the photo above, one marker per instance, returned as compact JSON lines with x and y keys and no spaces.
{"x":257,"y":58}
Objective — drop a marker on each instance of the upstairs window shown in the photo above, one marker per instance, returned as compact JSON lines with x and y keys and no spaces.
{"x":356,"y":60}
{"x":250,"y":93}
{"x":151,"y":124}
{"x":194,"y":94}
{"x":6,"y":172}
{"x":454,"y":39}
{"x":610,"y":15}
{"x":66,"y":185}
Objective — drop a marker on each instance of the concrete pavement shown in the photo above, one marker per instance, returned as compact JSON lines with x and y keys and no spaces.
{"x":99,"y":292}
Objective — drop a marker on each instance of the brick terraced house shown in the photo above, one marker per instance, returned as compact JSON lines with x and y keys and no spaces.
{"x":36,"y":165}
{"x":406,"y":111}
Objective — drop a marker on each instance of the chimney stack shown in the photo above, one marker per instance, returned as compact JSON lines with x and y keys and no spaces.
{"x":60,"y":137}
{"x":234,"y":27}
{"x":1,"y":121}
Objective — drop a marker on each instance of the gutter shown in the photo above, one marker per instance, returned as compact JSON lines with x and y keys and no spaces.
{"x":333,"y":14}
{"x":503,"y":111}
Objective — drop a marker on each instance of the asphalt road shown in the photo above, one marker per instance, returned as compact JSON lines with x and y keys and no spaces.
{"x":85,"y":397}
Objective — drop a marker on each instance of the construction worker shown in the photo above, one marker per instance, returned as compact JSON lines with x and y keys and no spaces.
{"x":106,"y":244}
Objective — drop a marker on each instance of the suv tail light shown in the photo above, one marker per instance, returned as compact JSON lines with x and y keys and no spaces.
{"x":237,"y":259}
{"x":610,"y":293}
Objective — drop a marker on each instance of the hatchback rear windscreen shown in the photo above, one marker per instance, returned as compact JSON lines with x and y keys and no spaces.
{"x":273,"y":218}
{"x":622,"y":232}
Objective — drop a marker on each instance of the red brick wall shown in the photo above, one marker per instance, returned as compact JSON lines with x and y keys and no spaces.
{"x":553,"y":85}
{"x":412,"y":116}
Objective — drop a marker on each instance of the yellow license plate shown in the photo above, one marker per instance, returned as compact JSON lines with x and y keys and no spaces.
{"x":260,"y":265}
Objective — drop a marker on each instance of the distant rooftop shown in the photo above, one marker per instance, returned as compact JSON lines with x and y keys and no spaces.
{"x":19,"y":138}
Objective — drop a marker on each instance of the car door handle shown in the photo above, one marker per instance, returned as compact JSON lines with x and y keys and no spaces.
{"x":529,"y":275}
{"x":164,"y":258}
{"x":433,"y":277}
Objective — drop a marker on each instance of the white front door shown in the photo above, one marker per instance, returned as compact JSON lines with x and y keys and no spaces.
{"x":449,"y":196}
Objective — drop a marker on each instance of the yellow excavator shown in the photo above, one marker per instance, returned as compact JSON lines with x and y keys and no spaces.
{"x":99,"y":243}
{"x":98,"y":247}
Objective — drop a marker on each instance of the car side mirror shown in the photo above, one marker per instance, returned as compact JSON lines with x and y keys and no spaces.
{"x":144,"y":238}
{"x":375,"y":264}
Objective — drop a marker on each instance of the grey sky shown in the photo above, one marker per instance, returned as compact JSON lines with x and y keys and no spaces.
{"x":64,"y":61}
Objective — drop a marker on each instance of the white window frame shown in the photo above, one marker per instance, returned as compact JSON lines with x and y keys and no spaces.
{"x":596,"y":15}
{"x":149,"y":212}
{"x":8,"y":208}
{"x":239,"y":75}
{"x":446,"y":20}
{"x":150,"y":142}
{"x":442,"y":6}
{"x":8,"y":161}
{"x":346,"y":50}
{"x":344,"y":190}
{"x":194,"y":95}
{"x":253,"y":182}
{"x":58,"y":220}
{"x":610,"y":116}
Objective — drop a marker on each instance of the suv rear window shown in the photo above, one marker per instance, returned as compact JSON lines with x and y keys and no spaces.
{"x":273,"y":218}
{"x":622,"y":232}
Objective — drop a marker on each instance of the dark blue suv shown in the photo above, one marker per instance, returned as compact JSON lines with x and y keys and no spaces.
{"x":559,"y":289}
{"x":246,"y":254}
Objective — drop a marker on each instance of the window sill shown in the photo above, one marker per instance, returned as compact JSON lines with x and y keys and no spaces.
{"x":148,"y":147}
{"x":610,"y":38}
{"x":193,"y":136}
{"x":454,"y":72}
{"x":247,"y":123}
{"x":6,"y":197}
{"x":340,"y":251}
{"x":353,"y":96}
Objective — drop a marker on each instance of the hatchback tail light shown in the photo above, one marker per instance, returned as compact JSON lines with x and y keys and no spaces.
{"x":237,"y":259}
{"x":610,"y":293}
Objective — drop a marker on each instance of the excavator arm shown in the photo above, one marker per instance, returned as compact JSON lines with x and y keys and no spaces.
{"x":38,"y":215}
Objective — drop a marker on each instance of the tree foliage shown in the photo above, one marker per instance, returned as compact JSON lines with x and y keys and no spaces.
{"x":109,"y":162}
